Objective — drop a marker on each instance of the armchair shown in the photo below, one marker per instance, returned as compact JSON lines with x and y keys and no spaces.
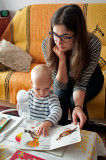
{"x":27,"y":30}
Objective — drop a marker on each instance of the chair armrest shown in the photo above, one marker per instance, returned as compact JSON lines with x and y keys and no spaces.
{"x":8,"y":110}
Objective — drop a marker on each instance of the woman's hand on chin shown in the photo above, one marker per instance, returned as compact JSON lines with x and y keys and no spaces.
{"x":61,"y":55}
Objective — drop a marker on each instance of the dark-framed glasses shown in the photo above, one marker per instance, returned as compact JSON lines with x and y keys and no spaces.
{"x":65,"y":38}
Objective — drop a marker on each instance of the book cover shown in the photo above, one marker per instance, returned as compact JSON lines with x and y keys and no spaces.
{"x":58,"y":137}
{"x":3,"y":120}
{"x":20,"y":155}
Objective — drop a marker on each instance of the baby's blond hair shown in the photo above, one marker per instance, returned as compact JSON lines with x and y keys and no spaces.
{"x":41,"y":70}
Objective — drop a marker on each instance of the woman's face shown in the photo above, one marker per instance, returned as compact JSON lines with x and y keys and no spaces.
{"x":63,"y":44}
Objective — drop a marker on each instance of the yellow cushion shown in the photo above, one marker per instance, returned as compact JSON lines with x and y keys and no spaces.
{"x":4,"y":84}
{"x":96,"y":107}
{"x":102,"y":60}
{"x":19,"y":28}
{"x":96,"y":20}
{"x":103,"y":52}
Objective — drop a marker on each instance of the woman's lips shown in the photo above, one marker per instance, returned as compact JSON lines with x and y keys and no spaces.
{"x":61,"y":48}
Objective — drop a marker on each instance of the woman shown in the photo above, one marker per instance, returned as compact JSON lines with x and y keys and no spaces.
{"x":73,"y":53}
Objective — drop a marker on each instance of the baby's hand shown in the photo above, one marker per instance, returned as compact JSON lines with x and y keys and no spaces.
{"x":44,"y":127}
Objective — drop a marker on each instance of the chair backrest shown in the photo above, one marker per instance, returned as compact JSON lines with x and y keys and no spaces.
{"x":30,"y":26}
{"x":96,"y":20}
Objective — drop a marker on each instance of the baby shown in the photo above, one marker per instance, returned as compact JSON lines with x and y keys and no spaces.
{"x":44,"y":104}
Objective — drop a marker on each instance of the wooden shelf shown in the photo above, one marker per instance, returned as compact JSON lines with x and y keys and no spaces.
{"x":4,"y":21}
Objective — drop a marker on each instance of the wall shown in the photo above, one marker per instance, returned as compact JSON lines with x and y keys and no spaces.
{"x":14,"y":5}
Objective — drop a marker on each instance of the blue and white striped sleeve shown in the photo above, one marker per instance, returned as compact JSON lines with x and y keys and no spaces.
{"x":55,"y":110}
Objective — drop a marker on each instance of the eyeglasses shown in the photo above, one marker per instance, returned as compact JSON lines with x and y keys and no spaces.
{"x":64,"y":38}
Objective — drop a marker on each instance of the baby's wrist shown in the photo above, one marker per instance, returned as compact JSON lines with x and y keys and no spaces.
{"x":49,"y":122}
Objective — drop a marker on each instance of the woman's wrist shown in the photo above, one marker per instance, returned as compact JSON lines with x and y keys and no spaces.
{"x":79,"y":106}
{"x":62,"y":75}
{"x":62,"y":62}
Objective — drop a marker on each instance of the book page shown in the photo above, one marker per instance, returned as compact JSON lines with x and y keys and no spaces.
{"x":59,"y":137}
{"x":64,"y":136}
{"x":30,"y":140}
{"x":16,"y":135}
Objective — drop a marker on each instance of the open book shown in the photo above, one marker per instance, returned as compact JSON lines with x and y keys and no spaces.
{"x":58,"y":137}
{"x":4,"y":119}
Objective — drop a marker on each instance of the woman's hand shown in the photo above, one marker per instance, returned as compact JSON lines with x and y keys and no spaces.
{"x":61,"y":55}
{"x":44,"y":127}
{"x":62,"y":75}
{"x":78,"y":113}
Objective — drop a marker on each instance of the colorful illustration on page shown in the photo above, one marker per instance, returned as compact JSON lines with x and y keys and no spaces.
{"x":67,"y":132}
{"x":18,"y":137}
{"x":35,"y":137}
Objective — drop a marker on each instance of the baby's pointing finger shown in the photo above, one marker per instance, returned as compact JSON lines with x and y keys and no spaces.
{"x":39,"y":131}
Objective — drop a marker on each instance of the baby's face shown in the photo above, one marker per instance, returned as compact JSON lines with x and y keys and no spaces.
{"x":42,"y":88}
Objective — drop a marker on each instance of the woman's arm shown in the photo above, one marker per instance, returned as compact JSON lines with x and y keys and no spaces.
{"x":62,"y":75}
{"x":79,"y":97}
{"x":60,"y":79}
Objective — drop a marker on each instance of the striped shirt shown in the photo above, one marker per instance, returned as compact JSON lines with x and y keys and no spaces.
{"x":95,"y":49}
{"x":45,"y":109}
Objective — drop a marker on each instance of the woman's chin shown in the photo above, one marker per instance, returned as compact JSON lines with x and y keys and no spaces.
{"x":62,"y":49}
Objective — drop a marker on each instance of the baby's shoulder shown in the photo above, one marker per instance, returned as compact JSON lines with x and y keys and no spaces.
{"x":52,"y":95}
{"x":30,"y":91}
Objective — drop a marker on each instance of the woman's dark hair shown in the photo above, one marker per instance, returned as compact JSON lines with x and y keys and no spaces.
{"x":71,"y":16}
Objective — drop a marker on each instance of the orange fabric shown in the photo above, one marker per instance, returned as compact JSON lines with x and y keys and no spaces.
{"x":29,"y":33}
{"x":4,"y":84}
{"x":40,"y":16}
